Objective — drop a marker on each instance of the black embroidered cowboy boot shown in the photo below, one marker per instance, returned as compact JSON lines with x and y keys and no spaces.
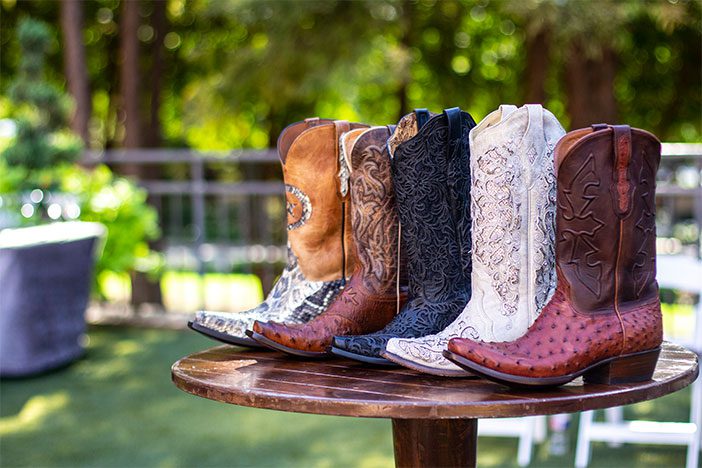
{"x":320,"y":246}
{"x":432,"y":185}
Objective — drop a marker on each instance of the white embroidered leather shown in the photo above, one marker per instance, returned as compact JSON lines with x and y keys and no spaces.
{"x":513,"y":203}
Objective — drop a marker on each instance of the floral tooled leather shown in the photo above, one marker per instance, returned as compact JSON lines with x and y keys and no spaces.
{"x":432,"y":184}
{"x":513,"y":227}
{"x":369,"y":300}
{"x":606,"y":303}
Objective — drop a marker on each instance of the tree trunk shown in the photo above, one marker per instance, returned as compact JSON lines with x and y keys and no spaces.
{"x":75,"y":66}
{"x":143,"y":289}
{"x":129,"y":74}
{"x":406,"y":40}
{"x":590,"y":87}
{"x":537,"y":63}
{"x":160,"y":24}
{"x":602,"y":76}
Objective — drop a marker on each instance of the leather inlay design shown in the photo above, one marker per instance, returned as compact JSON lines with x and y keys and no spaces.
{"x":579,"y":231}
{"x":622,"y":155}
{"x":646,"y":226}
{"x":298,"y":207}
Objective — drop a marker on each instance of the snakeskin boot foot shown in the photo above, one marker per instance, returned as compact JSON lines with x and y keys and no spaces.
{"x":319,"y":251}
{"x":513,"y":205}
{"x":371,"y":298}
{"x":432,"y":186}
{"x":604,"y":320}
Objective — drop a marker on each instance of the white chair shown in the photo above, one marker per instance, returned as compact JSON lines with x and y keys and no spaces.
{"x":675,"y":272}
{"x":529,"y":430}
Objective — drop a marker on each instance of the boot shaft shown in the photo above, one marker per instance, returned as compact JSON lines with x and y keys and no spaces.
{"x":606,"y":230}
{"x":431,"y":175}
{"x":374,"y":215}
{"x":317,"y":216}
{"x":513,"y":204}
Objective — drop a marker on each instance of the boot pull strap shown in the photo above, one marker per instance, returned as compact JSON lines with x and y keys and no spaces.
{"x":341,"y":127}
{"x":621,"y":188}
{"x":622,"y":158}
{"x":453,"y":115}
{"x":312,"y":121}
{"x":422,"y":115}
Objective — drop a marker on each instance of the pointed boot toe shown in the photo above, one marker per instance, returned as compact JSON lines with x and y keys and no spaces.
{"x":222,"y":327}
{"x":355,"y":347}
{"x":423,"y":355}
{"x":287,"y":338}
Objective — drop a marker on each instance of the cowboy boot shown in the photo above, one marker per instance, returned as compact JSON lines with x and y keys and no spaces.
{"x":604,"y":320}
{"x":432,"y":185}
{"x":513,"y":204}
{"x":320,"y":247}
{"x":372,"y":297}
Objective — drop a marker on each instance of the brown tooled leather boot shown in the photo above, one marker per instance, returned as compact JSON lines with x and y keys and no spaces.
{"x":604,"y":320}
{"x":370,"y":299}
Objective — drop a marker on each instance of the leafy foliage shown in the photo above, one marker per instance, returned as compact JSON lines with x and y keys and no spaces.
{"x":121,"y":206}
{"x":38,"y":172}
{"x":41,"y":112}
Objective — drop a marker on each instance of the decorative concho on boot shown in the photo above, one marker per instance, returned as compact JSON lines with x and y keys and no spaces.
{"x":371,"y":298}
{"x":513,"y":205}
{"x":432,"y":185}
{"x":319,"y":251}
{"x":604,"y":320}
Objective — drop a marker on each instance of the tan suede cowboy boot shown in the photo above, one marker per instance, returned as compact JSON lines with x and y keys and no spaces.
{"x":319,"y":257}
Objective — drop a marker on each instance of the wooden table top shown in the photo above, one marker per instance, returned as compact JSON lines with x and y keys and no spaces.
{"x":266,"y":379}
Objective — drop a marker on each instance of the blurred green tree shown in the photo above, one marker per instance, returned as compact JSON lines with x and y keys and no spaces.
{"x":41,"y":113}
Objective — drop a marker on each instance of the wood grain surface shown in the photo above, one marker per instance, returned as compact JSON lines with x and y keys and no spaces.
{"x":271,"y":380}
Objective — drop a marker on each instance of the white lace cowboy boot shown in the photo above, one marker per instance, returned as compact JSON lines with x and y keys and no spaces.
{"x":513,"y":203}
{"x":320,"y":246}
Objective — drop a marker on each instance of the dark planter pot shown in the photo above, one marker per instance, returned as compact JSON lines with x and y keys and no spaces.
{"x":45,"y":279}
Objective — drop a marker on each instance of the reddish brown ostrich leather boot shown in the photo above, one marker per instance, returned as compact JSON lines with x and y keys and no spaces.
{"x":604,"y":321}
{"x":370,"y":300}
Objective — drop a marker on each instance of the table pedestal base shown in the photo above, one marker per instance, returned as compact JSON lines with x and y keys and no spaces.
{"x":435,"y":442}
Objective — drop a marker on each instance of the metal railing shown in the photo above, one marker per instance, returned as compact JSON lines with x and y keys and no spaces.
{"x":237,"y":223}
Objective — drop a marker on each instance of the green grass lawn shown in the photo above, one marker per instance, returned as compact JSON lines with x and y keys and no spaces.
{"x":118,"y":407}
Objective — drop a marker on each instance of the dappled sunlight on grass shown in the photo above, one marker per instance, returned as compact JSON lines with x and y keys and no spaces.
{"x":34,"y":412}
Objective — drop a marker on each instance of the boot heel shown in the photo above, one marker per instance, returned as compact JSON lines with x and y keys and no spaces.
{"x":637,"y":367}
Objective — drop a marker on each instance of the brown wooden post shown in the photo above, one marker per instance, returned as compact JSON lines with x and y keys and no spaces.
{"x":435,"y":442}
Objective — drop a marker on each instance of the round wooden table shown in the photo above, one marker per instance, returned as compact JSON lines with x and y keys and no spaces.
{"x":434,"y":419}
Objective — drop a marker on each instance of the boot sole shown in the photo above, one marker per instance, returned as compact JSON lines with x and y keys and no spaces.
{"x":624,"y":369}
{"x":223,"y":337}
{"x":460,"y":373}
{"x":361,"y":358}
{"x":267,"y":342}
